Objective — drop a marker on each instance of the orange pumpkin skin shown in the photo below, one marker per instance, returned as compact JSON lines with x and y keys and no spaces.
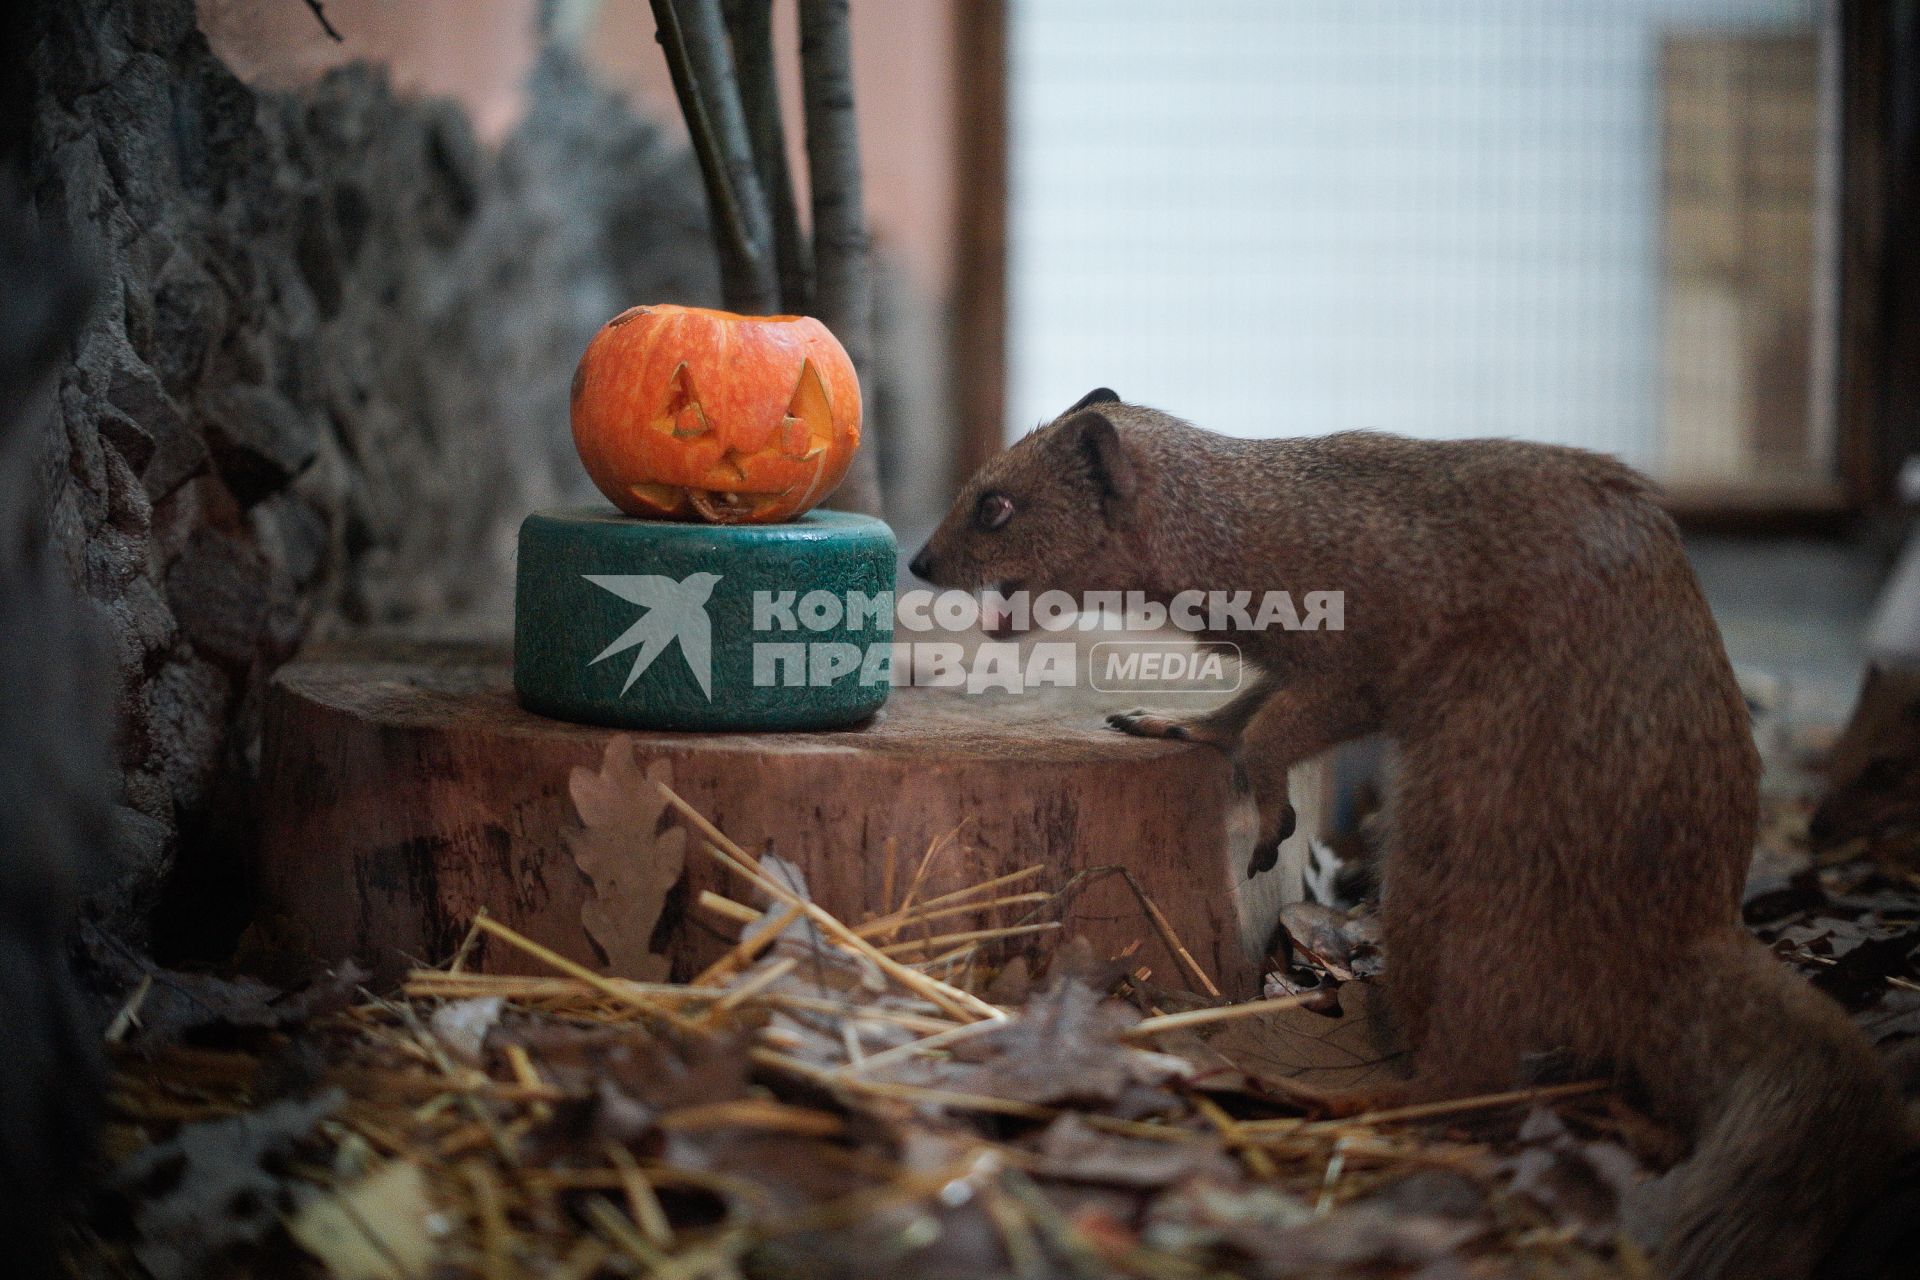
{"x":685,"y":413}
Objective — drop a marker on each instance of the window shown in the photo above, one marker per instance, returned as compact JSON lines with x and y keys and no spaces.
{"x":1582,"y":221}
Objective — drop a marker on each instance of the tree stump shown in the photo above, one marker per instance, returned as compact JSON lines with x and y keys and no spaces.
{"x":404,"y":791}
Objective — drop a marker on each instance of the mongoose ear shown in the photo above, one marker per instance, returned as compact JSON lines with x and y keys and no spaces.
{"x":1099,"y":395}
{"x":1106,"y":456}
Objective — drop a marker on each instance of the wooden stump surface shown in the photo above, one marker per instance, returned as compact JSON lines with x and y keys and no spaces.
{"x":404,"y":790}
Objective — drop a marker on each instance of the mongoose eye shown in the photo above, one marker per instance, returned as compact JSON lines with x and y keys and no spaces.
{"x":994,"y":511}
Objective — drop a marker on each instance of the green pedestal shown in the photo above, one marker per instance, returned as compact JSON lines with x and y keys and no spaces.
{"x":649,"y":625}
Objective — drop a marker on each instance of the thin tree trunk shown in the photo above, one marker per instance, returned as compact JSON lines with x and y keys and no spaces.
{"x":843,"y":280}
{"x":751,"y":24}
{"x":695,"y":42}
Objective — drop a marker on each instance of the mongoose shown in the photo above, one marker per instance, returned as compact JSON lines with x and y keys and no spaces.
{"x":1576,"y":795}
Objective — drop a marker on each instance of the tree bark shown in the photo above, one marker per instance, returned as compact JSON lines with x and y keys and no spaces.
{"x":751,"y":24}
{"x":843,"y":288}
{"x":444,"y":797}
{"x":698,"y":56}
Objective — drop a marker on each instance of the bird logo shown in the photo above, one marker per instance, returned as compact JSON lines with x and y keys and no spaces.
{"x":674,"y":611}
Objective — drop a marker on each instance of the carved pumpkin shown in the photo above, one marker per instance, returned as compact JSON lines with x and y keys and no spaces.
{"x":682,"y":413}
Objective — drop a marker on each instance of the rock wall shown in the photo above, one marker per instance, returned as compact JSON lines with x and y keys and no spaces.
{"x":324,"y":376}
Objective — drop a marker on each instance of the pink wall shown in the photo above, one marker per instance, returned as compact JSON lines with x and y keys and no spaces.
{"x":476,"y":51}
{"x":479,"y":52}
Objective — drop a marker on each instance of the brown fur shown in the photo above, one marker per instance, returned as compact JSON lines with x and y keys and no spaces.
{"x":1576,"y":796}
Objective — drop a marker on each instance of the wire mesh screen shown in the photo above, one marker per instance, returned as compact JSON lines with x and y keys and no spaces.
{"x":1437,"y":217}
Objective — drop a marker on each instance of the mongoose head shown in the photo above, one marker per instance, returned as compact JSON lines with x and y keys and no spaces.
{"x":1051,"y":513}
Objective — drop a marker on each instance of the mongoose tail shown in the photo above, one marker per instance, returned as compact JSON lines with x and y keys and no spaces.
{"x":1795,"y":1121}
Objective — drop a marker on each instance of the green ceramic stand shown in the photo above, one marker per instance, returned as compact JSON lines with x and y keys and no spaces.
{"x":644,"y":624}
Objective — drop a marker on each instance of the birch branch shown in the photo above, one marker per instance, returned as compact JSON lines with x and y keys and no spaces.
{"x":843,"y":268}
{"x":750,"y":22}
{"x":694,"y":40}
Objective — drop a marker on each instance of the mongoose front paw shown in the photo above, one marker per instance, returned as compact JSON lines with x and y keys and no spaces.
{"x":1149,"y":724}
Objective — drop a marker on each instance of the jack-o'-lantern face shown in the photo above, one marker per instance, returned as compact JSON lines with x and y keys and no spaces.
{"x":682,"y":413}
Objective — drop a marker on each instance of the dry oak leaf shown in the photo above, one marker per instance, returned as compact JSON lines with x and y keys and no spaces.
{"x":215,"y":1186}
{"x":1343,"y":1052}
{"x":632,"y":862}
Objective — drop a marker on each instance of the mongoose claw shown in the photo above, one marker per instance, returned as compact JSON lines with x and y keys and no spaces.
{"x":1148,"y":724}
{"x":1263,"y":859}
{"x":1266,"y":855}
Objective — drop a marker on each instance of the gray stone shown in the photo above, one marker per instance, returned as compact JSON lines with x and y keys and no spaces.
{"x":219,"y":591}
{"x":128,"y":508}
{"x":293,"y":535}
{"x":187,"y":705}
{"x":143,"y":627}
{"x":259,"y":441}
{"x":142,"y":157}
{"x":86,"y":476}
{"x":128,"y":406}
{"x":133,"y":442}
{"x":139,"y":840}
{"x":144,"y":788}
{"x":189,"y":307}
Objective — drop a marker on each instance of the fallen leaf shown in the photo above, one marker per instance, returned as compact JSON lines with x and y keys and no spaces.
{"x":198,"y":1006}
{"x":1431,"y":1193}
{"x":1363,"y":1237}
{"x":209,"y":1189}
{"x":1207,"y":1214}
{"x":619,"y":1080}
{"x":380,"y":1228}
{"x":1894,"y":1018}
{"x":1345,"y":945}
{"x":1873,"y":771}
{"x":1583,"y":1184}
{"x":1065,"y":1047}
{"x":802,"y":937}
{"x":1859,"y":979}
{"x":1073,"y":1150}
{"x":631,"y":861}
{"x":1273,"y":1234}
{"x":1342,"y":1052}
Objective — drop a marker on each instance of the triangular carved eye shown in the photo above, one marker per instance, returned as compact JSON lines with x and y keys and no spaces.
{"x":682,"y":415}
{"x":808,"y":427}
